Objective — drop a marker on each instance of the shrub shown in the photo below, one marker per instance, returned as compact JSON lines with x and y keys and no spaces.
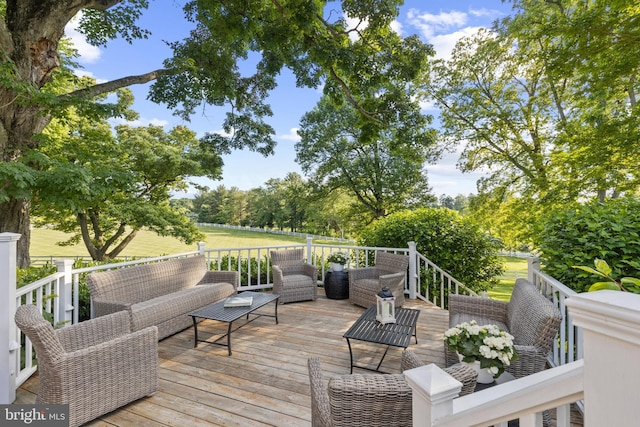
{"x":454,"y":243}
{"x":579,"y":235}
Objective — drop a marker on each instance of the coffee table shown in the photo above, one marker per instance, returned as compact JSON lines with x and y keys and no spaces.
{"x":368,"y":329}
{"x":217,"y":311}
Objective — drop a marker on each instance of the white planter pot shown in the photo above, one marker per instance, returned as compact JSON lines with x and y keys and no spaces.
{"x":484,"y":376}
{"x":336,"y":267}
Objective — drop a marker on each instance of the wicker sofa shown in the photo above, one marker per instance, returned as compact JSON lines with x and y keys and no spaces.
{"x":162,"y":293}
{"x":529,"y":316}
{"x":94,"y":366}
{"x":371,"y":399}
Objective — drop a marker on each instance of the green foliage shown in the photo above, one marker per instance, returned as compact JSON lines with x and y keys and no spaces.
{"x":452,"y":242}
{"x":577,"y":235}
{"x":384,"y":172}
{"x":602,"y":269}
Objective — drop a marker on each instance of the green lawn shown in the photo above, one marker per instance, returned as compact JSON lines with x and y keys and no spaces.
{"x":44,"y":242}
{"x":514,"y":268}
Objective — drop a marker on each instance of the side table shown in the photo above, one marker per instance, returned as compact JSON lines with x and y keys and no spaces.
{"x":336,"y":284}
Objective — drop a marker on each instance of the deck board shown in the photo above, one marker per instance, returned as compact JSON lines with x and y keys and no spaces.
{"x":265,"y":381}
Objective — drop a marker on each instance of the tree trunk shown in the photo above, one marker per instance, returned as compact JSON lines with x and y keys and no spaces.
{"x":15,"y":218}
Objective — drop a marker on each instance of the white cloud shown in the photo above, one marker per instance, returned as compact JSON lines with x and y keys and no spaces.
{"x":87,"y":52}
{"x":396,"y":27}
{"x":83,"y":73}
{"x":430,"y":24}
{"x":291,"y":136}
{"x":444,"y":43}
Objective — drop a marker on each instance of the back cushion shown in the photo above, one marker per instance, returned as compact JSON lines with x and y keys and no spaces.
{"x":387,"y":263}
{"x":143,"y":282}
{"x":532,"y":318}
{"x":291,"y":261}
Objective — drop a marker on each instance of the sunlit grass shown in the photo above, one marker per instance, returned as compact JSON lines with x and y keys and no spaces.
{"x":44,"y":242}
{"x":514,"y":268}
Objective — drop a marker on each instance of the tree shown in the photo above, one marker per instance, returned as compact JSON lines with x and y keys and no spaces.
{"x":384,"y":174}
{"x":221,"y":206}
{"x":454,"y":243}
{"x":545,"y":105}
{"x":204,"y":70}
{"x":103,"y":188}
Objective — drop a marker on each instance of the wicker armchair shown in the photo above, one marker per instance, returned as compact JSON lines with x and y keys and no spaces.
{"x":367,"y":400}
{"x":529,"y":316}
{"x":293,"y":279}
{"x":94,"y":366}
{"x":390,"y":271}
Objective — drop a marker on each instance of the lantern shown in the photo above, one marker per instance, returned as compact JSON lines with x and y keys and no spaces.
{"x":386,"y":309}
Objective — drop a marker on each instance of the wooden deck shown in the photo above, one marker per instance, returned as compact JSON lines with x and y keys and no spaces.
{"x":265,"y":381}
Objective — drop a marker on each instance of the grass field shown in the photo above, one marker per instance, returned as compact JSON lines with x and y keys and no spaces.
{"x":514,"y":268}
{"x":44,"y":243}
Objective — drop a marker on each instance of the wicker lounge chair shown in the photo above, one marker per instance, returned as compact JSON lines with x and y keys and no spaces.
{"x":293,"y":278}
{"x":370,"y":399}
{"x":390,"y":270}
{"x":94,"y":366}
{"x":529,"y":316}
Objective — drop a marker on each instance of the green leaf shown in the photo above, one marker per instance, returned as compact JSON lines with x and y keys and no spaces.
{"x":601,"y":286}
{"x":589,"y":270}
{"x":630,"y":281}
{"x":602,"y":266}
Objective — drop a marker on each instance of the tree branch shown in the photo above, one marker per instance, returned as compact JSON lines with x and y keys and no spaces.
{"x":107,"y":87}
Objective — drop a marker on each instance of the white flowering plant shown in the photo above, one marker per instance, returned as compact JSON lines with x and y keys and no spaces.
{"x":337,"y":258}
{"x":488,"y":344}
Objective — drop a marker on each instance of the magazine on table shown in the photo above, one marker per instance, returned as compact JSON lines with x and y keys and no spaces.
{"x":238,"y":301}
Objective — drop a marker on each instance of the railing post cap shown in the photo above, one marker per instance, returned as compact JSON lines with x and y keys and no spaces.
{"x":9,"y":237}
{"x":432,"y":383}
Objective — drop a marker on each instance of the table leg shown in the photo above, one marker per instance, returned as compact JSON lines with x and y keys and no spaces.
{"x":350,"y":357}
{"x":195,"y":330}
{"x":382,"y":358}
{"x":229,"y":338}
{"x":276,"y":312}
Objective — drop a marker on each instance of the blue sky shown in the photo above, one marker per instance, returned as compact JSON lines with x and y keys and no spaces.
{"x":440,"y":23}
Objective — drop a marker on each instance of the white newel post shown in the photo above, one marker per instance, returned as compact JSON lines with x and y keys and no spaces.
{"x":533,"y":264}
{"x":611,"y":332}
{"x":8,"y":339}
{"x":310,"y":259}
{"x":412,"y":269}
{"x":433,"y":391}
{"x":65,"y":302}
{"x":201,"y":246}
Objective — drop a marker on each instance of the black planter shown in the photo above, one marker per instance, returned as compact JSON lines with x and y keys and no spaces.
{"x":336,"y":284}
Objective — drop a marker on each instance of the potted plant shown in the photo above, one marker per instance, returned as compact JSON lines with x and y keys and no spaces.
{"x":337,"y":260}
{"x":487,"y":348}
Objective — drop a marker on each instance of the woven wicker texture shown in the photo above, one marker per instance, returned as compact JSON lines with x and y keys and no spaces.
{"x":371,"y":399}
{"x":94,"y":366}
{"x":162,"y":293}
{"x":293,"y":278}
{"x":529,"y":316}
{"x":390,"y":270}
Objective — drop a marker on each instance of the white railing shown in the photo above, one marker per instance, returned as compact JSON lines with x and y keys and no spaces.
{"x":524,"y":399}
{"x":605,"y":378}
{"x":58,"y":294}
{"x":568,"y":346}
